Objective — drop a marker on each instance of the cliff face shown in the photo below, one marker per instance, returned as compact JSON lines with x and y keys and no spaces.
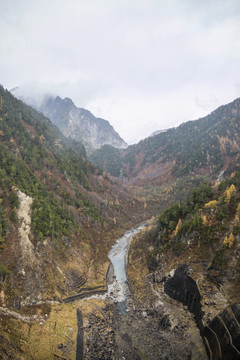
{"x":221,"y":335}
{"x":81,"y":124}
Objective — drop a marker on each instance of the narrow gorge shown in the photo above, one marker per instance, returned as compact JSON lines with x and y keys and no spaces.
{"x":75,"y":284}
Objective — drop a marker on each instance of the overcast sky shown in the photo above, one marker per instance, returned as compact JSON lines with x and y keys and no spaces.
{"x":144,"y":65}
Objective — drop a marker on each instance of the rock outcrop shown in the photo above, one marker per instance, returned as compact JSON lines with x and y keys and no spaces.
{"x":76,"y":123}
{"x":222,"y":335}
{"x":183,"y":288}
{"x":80,"y":124}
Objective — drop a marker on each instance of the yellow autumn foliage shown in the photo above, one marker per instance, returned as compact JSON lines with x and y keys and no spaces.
{"x":204,"y":220}
{"x":238,"y":208}
{"x":228,"y":193}
{"x":236,"y":220}
{"x":211,"y":204}
{"x":228,"y":241}
{"x":179,"y":224}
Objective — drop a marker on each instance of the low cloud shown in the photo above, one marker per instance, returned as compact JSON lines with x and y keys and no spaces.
{"x":143,"y":65}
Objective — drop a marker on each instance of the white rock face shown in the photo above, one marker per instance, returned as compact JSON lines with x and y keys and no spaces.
{"x":81,"y":124}
{"x":76,"y":123}
{"x":24,"y":216}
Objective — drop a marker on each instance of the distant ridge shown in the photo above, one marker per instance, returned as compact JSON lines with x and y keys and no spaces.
{"x":157,"y":132}
{"x":205,"y":146}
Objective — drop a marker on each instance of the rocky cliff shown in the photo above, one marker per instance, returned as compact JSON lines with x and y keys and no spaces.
{"x":75,"y":123}
{"x":81,"y":124}
{"x":222,"y":335}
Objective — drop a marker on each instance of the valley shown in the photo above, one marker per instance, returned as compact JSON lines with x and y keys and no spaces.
{"x":79,"y":278}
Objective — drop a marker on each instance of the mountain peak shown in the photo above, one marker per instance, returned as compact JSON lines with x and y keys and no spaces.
{"x":80,"y":124}
{"x":74,"y":122}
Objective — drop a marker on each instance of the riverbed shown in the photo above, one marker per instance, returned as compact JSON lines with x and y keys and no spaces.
{"x":117,"y":284}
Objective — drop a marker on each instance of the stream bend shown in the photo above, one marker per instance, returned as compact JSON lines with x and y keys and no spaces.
{"x":116,"y":278}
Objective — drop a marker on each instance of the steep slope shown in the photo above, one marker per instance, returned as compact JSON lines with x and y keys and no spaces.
{"x":192,"y":255}
{"x":54,"y":206}
{"x":59,"y":215}
{"x":80,"y":124}
{"x":205,"y":146}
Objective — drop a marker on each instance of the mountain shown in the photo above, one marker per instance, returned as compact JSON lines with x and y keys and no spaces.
{"x":67,"y":206}
{"x":60,"y":215}
{"x":201,"y":147}
{"x":81,"y":124}
{"x":76,"y":123}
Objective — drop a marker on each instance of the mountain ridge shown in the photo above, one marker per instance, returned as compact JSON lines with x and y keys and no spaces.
{"x":75,"y":122}
{"x":193,"y":146}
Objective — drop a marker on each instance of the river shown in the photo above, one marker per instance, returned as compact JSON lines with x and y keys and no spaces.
{"x":117,"y":285}
{"x":118,"y":289}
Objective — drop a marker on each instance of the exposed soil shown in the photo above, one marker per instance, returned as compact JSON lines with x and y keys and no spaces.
{"x":24,"y":216}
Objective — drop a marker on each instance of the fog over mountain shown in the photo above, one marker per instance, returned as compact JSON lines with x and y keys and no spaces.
{"x":143,"y":65}
{"x":76,"y":123}
{"x":112,"y":248}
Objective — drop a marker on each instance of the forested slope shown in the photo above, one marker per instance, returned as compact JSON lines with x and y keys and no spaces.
{"x":201,"y":146}
{"x":75,"y":211}
{"x":202,"y":234}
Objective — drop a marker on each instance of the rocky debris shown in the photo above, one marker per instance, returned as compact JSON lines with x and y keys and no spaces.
{"x":99,"y":334}
{"x":24,"y":216}
{"x":140,"y":333}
